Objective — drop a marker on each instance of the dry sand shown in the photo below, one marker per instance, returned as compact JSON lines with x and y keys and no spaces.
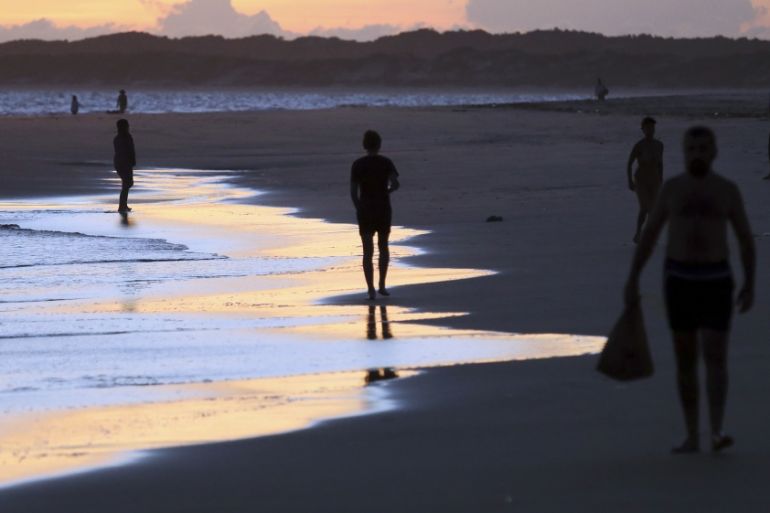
{"x":533,"y":436}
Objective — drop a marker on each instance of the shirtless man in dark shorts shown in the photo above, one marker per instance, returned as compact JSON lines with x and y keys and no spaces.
{"x":649,"y":175}
{"x":698,"y":206}
{"x":372,"y":179}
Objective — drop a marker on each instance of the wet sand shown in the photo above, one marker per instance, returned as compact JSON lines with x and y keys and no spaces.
{"x":527,"y":436}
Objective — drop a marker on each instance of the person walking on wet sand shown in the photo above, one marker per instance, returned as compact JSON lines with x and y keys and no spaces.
{"x":372,"y":179}
{"x":698,"y":205}
{"x":646,"y":182}
{"x":124,"y":160}
{"x":600,"y":90}
{"x":122,"y":102}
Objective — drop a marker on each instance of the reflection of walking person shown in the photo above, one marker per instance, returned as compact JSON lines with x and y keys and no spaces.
{"x":372,"y":179}
{"x":124,"y":160}
{"x":698,"y":205}
{"x":648,"y":153}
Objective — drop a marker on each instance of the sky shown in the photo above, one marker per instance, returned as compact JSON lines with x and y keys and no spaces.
{"x":369,"y":19}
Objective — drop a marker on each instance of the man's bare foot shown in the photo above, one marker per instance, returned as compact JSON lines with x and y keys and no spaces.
{"x":719,"y":442}
{"x":372,"y":294}
{"x":383,"y":291}
{"x":690,"y":446}
{"x":124,"y":210}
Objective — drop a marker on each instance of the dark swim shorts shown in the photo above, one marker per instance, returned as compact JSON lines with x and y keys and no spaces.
{"x":698,"y":296}
{"x":374,"y":218}
{"x":126,"y":177}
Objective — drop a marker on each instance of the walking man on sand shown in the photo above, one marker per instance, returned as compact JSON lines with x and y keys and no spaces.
{"x":648,"y":153}
{"x":124,"y":160}
{"x":122,"y":102}
{"x":698,"y":206}
{"x":372,"y":179}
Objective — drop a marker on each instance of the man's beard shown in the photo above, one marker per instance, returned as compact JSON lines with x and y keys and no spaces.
{"x":698,"y":168}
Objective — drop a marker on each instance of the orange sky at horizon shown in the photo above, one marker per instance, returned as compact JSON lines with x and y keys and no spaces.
{"x":293,"y":15}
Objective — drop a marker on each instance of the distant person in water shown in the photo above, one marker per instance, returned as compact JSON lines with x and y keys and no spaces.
{"x":601,"y":91}
{"x":124,"y":160}
{"x":646,"y":181}
{"x":122,"y":102}
{"x":372,"y":179}
{"x":74,"y":105}
{"x":698,"y":205}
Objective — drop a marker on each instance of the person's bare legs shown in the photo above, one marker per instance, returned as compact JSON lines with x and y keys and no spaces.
{"x":367,"y":240}
{"x":123,"y":200}
{"x":640,"y":220}
{"x":715,"y":356}
{"x":382,"y":245}
{"x":686,"y":350}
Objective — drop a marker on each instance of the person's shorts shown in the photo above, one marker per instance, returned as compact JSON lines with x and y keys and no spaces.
{"x":126,"y":177}
{"x":374,"y":219}
{"x":646,"y":191}
{"x":698,"y":296}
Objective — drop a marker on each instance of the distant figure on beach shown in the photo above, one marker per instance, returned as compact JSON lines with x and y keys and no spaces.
{"x":122,"y":102}
{"x":124,"y":160}
{"x":372,"y":179}
{"x":698,"y":205}
{"x":74,"y":105}
{"x":646,"y":182}
{"x":601,"y":91}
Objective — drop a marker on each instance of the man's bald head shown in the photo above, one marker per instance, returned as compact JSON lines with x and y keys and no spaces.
{"x":700,"y":150}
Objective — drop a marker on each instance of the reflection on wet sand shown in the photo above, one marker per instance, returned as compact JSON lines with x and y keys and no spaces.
{"x":221,"y":319}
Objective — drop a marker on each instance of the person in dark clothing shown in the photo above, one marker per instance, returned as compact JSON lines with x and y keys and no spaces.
{"x":372,"y":179}
{"x":122,"y":102}
{"x":124,"y":160}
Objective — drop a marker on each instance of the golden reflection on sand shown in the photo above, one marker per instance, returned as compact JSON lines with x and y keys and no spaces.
{"x":46,"y":444}
{"x":201,"y":207}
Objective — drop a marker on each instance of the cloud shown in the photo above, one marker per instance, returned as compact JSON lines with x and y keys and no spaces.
{"x":679,"y":18}
{"x":47,"y":30}
{"x":218,"y":17}
{"x":365,"y":33}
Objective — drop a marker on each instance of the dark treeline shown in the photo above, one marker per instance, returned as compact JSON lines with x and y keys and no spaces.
{"x":421,"y":58}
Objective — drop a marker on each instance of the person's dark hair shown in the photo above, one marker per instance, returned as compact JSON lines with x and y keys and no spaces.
{"x":122,"y":126}
{"x":649,"y":121}
{"x":372,"y":141}
{"x":697,"y":132}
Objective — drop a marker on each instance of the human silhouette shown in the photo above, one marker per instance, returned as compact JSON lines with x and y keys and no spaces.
{"x":698,"y":205}
{"x":646,"y":182}
{"x":74,"y":105}
{"x":124,"y":160}
{"x":122,"y":102}
{"x":600,"y":90}
{"x":372,"y":180}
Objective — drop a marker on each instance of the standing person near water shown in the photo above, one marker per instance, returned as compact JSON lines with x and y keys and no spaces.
{"x":124,"y":160}
{"x":74,"y":105}
{"x":698,"y":206}
{"x":646,"y":182}
{"x":122,"y":102}
{"x":372,"y":179}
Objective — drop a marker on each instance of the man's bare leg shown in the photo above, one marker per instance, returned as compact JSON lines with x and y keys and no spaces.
{"x":382,"y":245}
{"x":640,"y":220}
{"x":715,"y":355}
{"x":367,"y":240}
{"x":686,"y":350}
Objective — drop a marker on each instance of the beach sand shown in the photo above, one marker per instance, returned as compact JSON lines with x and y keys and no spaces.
{"x":527,"y":436}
